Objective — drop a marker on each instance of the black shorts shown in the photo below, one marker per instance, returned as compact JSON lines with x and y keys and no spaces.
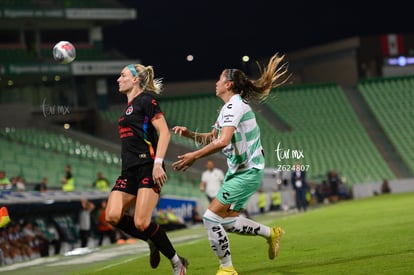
{"x":135,"y":178}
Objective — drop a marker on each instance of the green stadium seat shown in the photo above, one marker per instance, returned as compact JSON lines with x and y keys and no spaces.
{"x":390,"y":100}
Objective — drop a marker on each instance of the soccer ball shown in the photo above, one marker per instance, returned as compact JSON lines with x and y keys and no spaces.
{"x":64,"y":52}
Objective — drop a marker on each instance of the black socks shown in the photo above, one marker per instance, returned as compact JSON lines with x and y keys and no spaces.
{"x":160,"y":239}
{"x":128,"y":226}
{"x":154,"y":232}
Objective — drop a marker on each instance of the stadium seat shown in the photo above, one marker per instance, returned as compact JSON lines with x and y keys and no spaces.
{"x":389,"y":101}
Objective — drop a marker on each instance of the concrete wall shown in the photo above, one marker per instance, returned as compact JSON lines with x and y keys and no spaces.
{"x":362,"y":190}
{"x":15,"y":115}
{"x":370,"y":189}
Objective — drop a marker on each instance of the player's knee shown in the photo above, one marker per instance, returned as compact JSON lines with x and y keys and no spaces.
{"x":112,"y":217}
{"x":141,"y":225}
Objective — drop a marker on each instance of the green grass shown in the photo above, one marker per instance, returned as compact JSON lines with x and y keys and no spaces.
{"x":366,"y":236}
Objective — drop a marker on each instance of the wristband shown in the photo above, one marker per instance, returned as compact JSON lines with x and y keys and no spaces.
{"x":158,"y":160}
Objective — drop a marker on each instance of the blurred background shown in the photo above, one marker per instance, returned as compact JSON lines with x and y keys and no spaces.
{"x":346,"y":116}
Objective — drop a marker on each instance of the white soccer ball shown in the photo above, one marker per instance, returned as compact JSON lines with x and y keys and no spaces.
{"x":64,"y":52}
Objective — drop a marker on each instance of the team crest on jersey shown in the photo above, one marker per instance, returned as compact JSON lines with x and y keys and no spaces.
{"x":129,"y":110}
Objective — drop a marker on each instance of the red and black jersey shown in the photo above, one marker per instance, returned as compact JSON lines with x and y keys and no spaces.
{"x":138,"y":136}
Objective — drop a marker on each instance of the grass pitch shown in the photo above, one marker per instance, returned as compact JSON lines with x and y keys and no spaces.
{"x":365,"y":236}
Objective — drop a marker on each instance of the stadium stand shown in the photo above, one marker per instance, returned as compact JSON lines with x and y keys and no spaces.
{"x":35,"y":154}
{"x":326,"y":128}
{"x":35,"y":163}
{"x":391,"y":101}
{"x":59,"y":143}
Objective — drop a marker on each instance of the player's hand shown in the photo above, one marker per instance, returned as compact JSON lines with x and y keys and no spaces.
{"x":184,"y":162}
{"x":180,"y":130}
{"x":158,"y":175}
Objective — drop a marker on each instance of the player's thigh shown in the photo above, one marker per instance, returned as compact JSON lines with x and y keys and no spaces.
{"x":118,"y":203}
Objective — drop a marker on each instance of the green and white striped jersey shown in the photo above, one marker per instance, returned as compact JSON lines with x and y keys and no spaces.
{"x":245,"y":150}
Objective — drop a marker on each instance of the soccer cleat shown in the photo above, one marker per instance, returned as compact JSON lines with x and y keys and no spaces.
{"x":154,"y":255}
{"x":181,"y":269}
{"x":273,"y":241}
{"x":226,"y":271}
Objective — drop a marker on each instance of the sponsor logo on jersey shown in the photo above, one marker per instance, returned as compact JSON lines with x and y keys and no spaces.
{"x":129,"y":110}
{"x":228,"y":118}
{"x":125,"y":132}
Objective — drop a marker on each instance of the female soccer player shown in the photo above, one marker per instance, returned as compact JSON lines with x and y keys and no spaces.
{"x":237,"y":135}
{"x":144,"y":140}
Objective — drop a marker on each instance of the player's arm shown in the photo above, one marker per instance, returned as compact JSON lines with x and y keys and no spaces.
{"x":203,"y":138}
{"x":202,"y":186}
{"x":216,"y":145}
{"x":160,"y":125}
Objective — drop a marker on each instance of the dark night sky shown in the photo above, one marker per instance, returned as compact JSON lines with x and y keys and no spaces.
{"x":218,"y":33}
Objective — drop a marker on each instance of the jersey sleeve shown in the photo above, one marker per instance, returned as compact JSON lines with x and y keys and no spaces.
{"x":230,"y":115}
{"x":150,"y":106}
